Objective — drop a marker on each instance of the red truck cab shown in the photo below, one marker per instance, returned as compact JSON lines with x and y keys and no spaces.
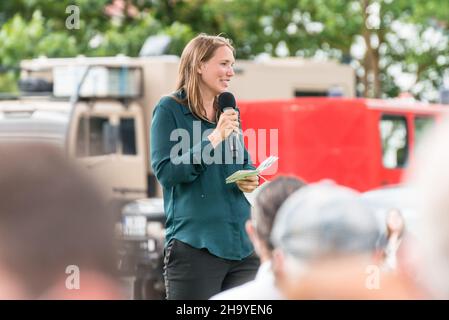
{"x":359,"y":143}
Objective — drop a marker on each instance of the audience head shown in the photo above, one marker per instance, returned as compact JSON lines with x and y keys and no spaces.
{"x":56,"y":234}
{"x":324,"y":227}
{"x":429,"y":179}
{"x":268,"y":200}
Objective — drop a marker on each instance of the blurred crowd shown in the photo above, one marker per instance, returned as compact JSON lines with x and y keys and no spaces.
{"x":325,"y":241}
{"x":315,"y":240}
{"x":56,"y":231}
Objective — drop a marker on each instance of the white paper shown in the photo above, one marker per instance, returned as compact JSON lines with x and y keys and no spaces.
{"x":243,"y":174}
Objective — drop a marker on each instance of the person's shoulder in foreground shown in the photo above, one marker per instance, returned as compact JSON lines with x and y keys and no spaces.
{"x":261,"y":288}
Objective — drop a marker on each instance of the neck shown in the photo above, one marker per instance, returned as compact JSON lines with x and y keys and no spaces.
{"x":12,"y":287}
{"x":94,"y":286}
{"x":348,"y":278}
{"x":209,"y":108}
{"x":263,"y":252}
{"x":208,"y":104}
{"x":207,"y":98}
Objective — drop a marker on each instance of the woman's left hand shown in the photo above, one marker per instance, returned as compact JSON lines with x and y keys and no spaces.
{"x":249,"y":184}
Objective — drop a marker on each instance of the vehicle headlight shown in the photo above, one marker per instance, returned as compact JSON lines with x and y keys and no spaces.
{"x":134,"y":226}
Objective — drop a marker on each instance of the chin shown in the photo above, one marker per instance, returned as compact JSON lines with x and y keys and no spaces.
{"x":218,"y":92}
{"x":223,"y":87}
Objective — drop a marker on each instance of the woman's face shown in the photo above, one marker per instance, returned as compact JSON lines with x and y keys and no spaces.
{"x":216,"y":73}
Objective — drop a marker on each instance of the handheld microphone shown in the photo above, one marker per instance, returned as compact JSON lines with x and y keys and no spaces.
{"x":226,"y":101}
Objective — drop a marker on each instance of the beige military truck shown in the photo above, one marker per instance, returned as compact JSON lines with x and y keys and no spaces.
{"x":106,"y":125}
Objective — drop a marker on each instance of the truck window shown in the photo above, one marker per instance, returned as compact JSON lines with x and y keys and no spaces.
{"x":96,"y":137}
{"x":394,"y":136}
{"x":128,"y":136}
{"x":422,"y":124}
{"x":309,"y":93}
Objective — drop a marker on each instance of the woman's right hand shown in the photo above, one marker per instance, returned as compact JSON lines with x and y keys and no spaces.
{"x":227,"y":123}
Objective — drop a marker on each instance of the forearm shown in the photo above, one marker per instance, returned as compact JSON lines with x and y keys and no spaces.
{"x":171,"y":169}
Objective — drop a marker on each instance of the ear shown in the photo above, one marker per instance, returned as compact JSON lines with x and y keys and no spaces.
{"x":200,"y":68}
{"x":277,"y":260}
{"x":278,"y":265}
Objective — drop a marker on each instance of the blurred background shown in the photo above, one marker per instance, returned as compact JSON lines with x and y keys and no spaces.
{"x":322,"y":77}
{"x":394,"y":46}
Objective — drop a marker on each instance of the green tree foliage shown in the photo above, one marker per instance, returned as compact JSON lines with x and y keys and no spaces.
{"x":36,"y":28}
{"x":334,"y":29}
{"x":384,"y":40}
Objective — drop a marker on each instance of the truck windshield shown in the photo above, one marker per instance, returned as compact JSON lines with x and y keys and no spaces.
{"x":33,"y":126}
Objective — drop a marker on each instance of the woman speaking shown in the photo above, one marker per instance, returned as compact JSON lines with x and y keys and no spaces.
{"x":207,"y":249}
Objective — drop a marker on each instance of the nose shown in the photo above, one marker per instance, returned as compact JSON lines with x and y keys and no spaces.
{"x":230,"y":71}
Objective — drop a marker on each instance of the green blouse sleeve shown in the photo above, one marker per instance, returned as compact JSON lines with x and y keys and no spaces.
{"x":169,"y":167}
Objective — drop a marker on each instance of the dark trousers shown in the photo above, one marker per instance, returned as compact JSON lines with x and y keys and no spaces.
{"x":196,"y":274}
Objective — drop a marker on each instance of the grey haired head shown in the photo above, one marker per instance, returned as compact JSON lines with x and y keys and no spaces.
{"x":324,"y":219}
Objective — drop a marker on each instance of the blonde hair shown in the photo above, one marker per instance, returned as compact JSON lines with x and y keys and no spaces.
{"x":199,"y":50}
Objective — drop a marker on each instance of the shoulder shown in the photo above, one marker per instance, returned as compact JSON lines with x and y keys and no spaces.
{"x":241,"y":292}
{"x":262,"y":289}
{"x":174,"y":99}
{"x":167,"y":104}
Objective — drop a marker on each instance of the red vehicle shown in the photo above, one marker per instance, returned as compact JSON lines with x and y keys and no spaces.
{"x":359,"y":143}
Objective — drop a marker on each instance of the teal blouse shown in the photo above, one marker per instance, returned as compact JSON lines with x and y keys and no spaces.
{"x":201,"y":209}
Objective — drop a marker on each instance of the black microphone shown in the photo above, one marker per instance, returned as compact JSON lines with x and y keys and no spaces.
{"x":226,"y":101}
